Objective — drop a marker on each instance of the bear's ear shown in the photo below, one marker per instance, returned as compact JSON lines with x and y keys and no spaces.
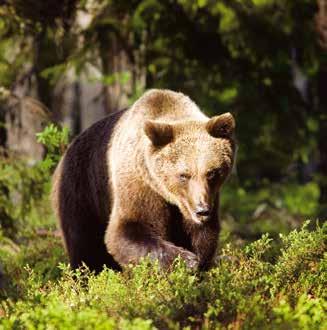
{"x":160,"y":134}
{"x":221,"y":126}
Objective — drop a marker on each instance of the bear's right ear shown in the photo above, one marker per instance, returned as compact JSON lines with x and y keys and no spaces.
{"x":221,"y":126}
{"x":160,"y":134}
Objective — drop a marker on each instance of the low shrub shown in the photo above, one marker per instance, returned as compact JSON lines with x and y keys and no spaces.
{"x":244,"y":290}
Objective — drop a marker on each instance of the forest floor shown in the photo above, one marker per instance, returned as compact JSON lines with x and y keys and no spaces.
{"x":260,"y":281}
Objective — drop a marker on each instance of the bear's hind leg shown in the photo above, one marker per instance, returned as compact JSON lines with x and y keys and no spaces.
{"x":86,"y":246}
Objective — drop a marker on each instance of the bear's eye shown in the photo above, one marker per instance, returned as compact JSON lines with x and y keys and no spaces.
{"x":213,"y":174}
{"x":183,"y":177}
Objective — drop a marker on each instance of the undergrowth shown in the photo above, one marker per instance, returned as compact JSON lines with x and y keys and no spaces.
{"x":244,"y":290}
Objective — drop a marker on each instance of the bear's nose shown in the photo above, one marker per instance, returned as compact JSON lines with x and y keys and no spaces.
{"x":203,"y":211}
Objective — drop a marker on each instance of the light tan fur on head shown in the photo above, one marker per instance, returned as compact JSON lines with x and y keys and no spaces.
{"x":167,"y":105}
{"x":191,"y":160}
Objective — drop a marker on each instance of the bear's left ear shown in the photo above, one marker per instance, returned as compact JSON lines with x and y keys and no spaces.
{"x":159,"y":133}
{"x":221,"y":126}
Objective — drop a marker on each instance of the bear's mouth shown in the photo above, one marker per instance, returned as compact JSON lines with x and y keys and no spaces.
{"x":196,"y":218}
{"x":202,"y":218}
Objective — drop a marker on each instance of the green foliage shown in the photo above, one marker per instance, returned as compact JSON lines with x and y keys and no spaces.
{"x":25,"y":213}
{"x":120,"y":77}
{"x":299,"y":250}
{"x":24,"y":187}
{"x":308,"y":313}
{"x":52,"y":74}
{"x":274,"y":208}
{"x":243,"y":290}
{"x":55,"y":140}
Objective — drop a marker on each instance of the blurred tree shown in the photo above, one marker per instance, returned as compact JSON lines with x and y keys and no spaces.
{"x":321,"y":27}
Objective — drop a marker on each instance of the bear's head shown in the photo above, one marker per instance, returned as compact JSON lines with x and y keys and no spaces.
{"x":189,"y":161}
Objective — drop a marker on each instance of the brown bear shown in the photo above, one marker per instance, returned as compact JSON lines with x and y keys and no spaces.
{"x":145,"y":182}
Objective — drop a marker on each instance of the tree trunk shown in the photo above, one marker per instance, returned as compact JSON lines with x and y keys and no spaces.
{"x":77,"y":123}
{"x":115,"y":64}
{"x":322,"y":140}
{"x":119,"y":60}
{"x":3,"y":131}
{"x":321,"y":28}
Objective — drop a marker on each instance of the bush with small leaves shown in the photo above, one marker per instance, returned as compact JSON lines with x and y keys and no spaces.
{"x":244,"y":290}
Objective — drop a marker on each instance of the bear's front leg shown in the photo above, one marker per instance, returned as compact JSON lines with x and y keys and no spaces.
{"x":130,"y":241}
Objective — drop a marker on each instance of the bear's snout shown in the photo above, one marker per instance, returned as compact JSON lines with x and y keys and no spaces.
{"x":203,"y":212}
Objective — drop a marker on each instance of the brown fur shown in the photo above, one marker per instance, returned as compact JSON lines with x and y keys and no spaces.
{"x":150,"y":178}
